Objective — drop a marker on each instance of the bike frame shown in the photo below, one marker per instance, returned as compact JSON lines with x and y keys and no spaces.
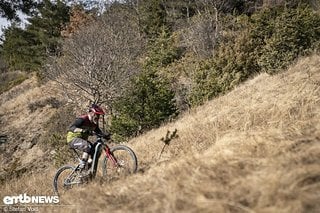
{"x":97,"y":153}
{"x":78,"y":176}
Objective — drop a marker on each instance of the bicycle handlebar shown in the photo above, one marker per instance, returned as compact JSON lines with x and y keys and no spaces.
{"x":102,"y":136}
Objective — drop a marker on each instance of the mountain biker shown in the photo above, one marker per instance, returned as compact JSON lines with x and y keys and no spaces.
{"x":82,"y":127}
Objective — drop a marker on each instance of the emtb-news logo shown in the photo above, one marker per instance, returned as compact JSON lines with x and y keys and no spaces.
{"x":25,"y":199}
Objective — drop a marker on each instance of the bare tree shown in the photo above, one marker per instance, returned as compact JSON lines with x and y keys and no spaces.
{"x":201,"y":32}
{"x":99,"y":60}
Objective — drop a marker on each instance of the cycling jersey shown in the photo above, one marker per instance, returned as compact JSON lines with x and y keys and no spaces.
{"x":82,"y":122}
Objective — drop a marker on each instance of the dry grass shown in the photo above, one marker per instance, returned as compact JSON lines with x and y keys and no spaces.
{"x":22,"y":125}
{"x":255,"y":149}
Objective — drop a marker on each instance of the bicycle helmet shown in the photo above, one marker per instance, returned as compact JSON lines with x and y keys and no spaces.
{"x":96,"y":109}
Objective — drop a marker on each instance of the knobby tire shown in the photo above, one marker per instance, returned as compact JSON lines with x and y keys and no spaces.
{"x":57,"y":177}
{"x":128,"y":158}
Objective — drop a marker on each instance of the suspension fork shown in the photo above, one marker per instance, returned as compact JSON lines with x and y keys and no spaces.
{"x":110,"y":155}
{"x":96,"y":156}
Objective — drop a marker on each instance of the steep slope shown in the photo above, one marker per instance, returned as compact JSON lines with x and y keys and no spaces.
{"x":24,"y":112}
{"x":255,"y":149}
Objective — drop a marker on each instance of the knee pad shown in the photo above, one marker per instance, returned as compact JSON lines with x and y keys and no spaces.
{"x":88,"y":149}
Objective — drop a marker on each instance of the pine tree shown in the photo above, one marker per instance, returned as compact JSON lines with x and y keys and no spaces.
{"x":8,"y":9}
{"x":48,"y":24}
{"x":152,"y":17}
{"x":150,"y":100}
{"x":21,"y":50}
{"x":147,"y":104}
{"x":27,"y":49}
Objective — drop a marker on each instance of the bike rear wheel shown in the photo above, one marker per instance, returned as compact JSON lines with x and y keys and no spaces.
{"x":126,"y":159}
{"x":65,"y":178}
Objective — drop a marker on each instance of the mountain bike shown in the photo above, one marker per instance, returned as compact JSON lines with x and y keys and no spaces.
{"x":118,"y":161}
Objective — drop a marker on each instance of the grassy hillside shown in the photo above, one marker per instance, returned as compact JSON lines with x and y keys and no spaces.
{"x":255,"y":149}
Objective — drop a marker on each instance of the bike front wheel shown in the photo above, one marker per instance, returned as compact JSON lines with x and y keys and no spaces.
{"x":65,"y":178}
{"x":123,"y":161}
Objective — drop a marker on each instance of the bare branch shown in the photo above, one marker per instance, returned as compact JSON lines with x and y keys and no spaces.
{"x":98,"y":61}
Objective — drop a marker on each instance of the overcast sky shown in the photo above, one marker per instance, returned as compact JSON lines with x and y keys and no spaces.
{"x":3,"y":23}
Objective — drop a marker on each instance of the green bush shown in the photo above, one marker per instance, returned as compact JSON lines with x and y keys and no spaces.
{"x":147,"y":104}
{"x":150,"y":100}
{"x":152,"y":17}
{"x":232,"y":63}
{"x":294,"y":33}
{"x":123,"y":126}
{"x":268,"y":41}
